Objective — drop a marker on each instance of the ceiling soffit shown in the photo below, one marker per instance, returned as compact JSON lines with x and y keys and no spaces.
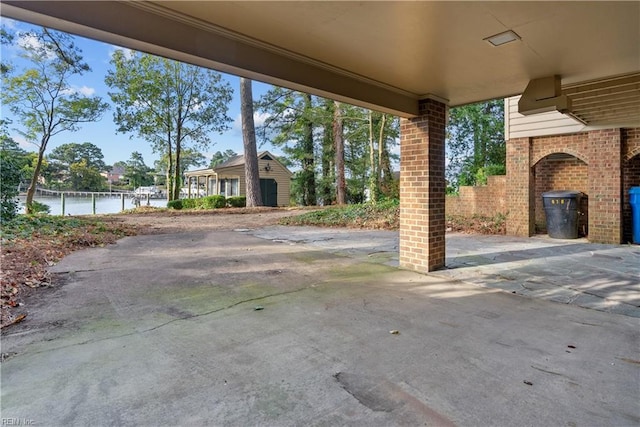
{"x":381,"y":55}
{"x":608,"y":102}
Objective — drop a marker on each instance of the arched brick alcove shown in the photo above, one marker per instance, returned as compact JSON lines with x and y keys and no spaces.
{"x":560,"y":171}
{"x":610,"y":158}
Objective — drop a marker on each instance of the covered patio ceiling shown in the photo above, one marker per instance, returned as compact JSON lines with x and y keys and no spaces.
{"x":384,"y":55}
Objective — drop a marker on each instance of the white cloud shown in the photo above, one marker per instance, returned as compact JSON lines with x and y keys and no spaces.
{"x":29,"y":41}
{"x":23,"y":143}
{"x":8,"y":23}
{"x":86,"y":91}
{"x":128,"y":53}
{"x":258,"y":120}
{"x":83,"y":90}
{"x":26,"y":40}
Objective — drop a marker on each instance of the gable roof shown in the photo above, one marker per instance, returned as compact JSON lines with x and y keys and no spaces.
{"x":239,"y":161}
{"x":233,"y":161}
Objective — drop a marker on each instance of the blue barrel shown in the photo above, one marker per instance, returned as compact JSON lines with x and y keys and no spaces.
{"x":634,"y":201}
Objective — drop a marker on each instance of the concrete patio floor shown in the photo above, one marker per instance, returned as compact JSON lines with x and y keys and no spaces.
{"x":267,"y":327}
{"x":596,"y":276}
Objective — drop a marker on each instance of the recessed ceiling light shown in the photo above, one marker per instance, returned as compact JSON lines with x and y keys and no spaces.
{"x":503,"y":38}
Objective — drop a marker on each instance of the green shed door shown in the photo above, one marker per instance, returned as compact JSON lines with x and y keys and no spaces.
{"x":269,"y":190}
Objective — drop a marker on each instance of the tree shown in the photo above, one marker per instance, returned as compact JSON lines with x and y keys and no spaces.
{"x":169,"y":104}
{"x":475,"y":142}
{"x":338,"y":138}
{"x":327,"y":179}
{"x":189,"y":158}
{"x":252,"y":174}
{"x":369,"y":138}
{"x":316,"y":134}
{"x":6,"y":38}
{"x":42,"y":98}
{"x":84,"y":177}
{"x":137,"y":172}
{"x":12,"y":160}
{"x":68,"y":154}
{"x":78,"y":166}
{"x":290,"y":124}
{"x":221,"y":157}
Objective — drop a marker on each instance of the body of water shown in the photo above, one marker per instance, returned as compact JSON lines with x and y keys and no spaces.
{"x":84,"y":206}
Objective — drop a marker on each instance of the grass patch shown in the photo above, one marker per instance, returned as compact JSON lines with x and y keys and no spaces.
{"x":45,"y":226}
{"x":383,"y":215}
{"x":386,"y":216}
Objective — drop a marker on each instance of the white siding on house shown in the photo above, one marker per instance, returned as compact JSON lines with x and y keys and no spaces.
{"x":517,"y":125}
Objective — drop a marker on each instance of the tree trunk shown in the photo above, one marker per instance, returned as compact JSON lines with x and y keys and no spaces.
{"x":381,"y":148}
{"x":176,"y":171}
{"x":373,"y":180}
{"x":327,"y":182}
{"x":341,"y":187}
{"x":31,"y":191}
{"x":251,"y":171}
{"x":308,"y":163}
{"x":169,"y":172}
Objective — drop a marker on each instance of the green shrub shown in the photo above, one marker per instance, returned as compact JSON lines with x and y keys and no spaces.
{"x":9,"y":181}
{"x":188,"y":203}
{"x":384,"y":215}
{"x":39,"y":208}
{"x":175,"y":204}
{"x":237,"y":201}
{"x":209,"y":202}
{"x":213,"y":202}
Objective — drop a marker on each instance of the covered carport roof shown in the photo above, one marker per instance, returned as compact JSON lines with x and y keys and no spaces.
{"x":384,"y":55}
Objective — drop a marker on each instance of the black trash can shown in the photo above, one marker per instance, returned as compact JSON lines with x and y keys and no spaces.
{"x":561,"y":210}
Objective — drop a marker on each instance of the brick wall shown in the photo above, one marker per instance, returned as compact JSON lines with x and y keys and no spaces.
{"x":611,"y":159}
{"x":560,"y":173}
{"x":422,"y":189}
{"x":630,"y":176}
{"x":574,"y":144}
{"x":487,"y":200}
{"x":605,"y":186}
{"x":519,"y":189}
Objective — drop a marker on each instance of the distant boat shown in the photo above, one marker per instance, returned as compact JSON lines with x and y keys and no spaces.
{"x":148,"y":191}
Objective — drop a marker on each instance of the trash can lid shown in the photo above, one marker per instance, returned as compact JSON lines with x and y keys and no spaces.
{"x":562,"y":193}
{"x":634,"y":190}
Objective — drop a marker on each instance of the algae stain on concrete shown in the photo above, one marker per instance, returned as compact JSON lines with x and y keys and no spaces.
{"x":310,"y":257}
{"x":193,"y":298}
{"x":360,"y":271}
{"x":305,"y":257}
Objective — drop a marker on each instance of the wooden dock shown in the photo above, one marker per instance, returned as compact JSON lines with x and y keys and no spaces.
{"x":70,"y":193}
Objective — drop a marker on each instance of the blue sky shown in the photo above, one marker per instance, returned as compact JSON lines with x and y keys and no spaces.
{"x":118,"y":146}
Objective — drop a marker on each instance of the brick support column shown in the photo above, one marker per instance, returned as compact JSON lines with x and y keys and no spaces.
{"x":605,"y":186}
{"x":422,"y":189}
{"x":520,"y":191}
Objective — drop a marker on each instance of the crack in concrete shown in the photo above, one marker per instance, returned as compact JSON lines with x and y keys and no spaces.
{"x":553,"y":373}
{"x":176,"y":320}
